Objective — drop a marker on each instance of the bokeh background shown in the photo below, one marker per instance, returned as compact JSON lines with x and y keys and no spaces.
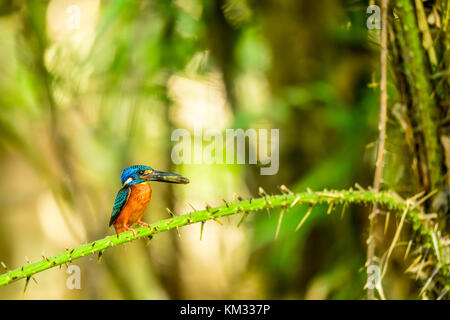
{"x":82,"y":99}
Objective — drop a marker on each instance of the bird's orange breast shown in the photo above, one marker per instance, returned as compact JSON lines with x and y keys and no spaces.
{"x":134,"y":209}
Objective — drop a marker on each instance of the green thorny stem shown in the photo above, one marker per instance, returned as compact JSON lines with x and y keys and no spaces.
{"x":389,"y":201}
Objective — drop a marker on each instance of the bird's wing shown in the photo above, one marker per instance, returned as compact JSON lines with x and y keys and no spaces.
{"x":119,"y":203}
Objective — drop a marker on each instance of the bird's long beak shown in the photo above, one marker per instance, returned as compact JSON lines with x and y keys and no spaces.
{"x":162,"y":176}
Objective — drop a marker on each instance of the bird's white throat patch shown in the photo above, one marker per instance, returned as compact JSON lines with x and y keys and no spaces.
{"x":128,"y":181}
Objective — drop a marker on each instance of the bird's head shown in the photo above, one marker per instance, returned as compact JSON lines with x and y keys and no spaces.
{"x":140,"y":174}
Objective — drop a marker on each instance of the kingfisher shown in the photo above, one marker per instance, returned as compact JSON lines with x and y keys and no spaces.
{"x":134,"y":197}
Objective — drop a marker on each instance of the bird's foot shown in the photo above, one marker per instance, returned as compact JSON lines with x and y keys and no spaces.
{"x":130,"y":229}
{"x":145,"y":224}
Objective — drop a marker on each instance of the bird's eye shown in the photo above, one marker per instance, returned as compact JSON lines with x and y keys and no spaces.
{"x":140,"y":172}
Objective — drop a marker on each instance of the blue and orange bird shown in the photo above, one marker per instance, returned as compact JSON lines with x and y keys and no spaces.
{"x":134,"y":197}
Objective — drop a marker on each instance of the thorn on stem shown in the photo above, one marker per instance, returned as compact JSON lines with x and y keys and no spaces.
{"x":236,"y":196}
{"x":358,"y":186}
{"x":394,"y":242}
{"x":149,"y":239}
{"x":344,"y":207}
{"x":280,"y":219}
{"x":99,"y":257}
{"x":268,"y":203}
{"x":4,"y":266}
{"x":244,"y":216}
{"x":295,"y":201}
{"x":201,"y":229}
{"x":285,"y":189}
{"x":193,"y":208}
{"x":262,"y":192}
{"x":304,"y":218}
{"x":330,"y":208}
{"x":170,"y":212}
{"x":27,"y":281}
